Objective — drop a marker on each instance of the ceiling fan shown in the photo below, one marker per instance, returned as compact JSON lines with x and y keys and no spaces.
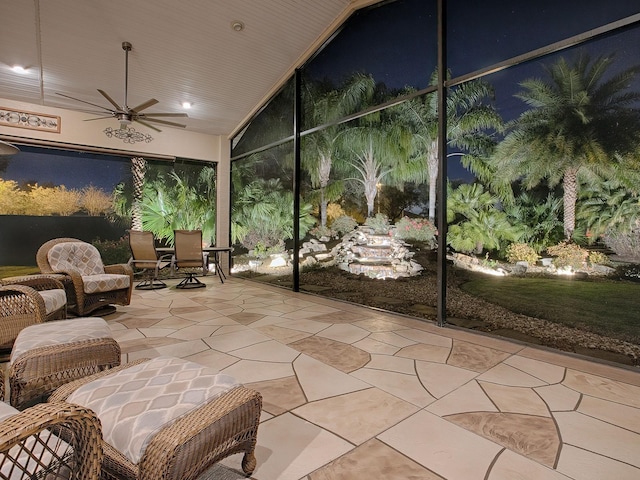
{"x":126,"y":115}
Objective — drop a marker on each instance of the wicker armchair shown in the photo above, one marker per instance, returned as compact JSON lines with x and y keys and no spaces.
{"x":50,"y":289}
{"x":20,"y":306}
{"x":93,"y":285}
{"x":53,"y":441}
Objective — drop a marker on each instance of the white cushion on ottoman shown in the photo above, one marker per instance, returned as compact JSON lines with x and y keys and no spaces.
{"x":59,"y":332}
{"x":136,"y":403}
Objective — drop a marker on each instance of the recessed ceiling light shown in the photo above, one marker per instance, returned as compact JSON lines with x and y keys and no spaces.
{"x":237,"y":25}
{"x":186,"y":105}
{"x":19,"y":69}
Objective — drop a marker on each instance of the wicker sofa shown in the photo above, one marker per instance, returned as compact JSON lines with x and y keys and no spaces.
{"x":92,"y":284}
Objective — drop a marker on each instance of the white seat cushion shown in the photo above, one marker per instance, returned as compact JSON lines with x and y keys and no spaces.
{"x":105,"y":282}
{"x":136,"y":403}
{"x":59,"y":332}
{"x":54,"y":299}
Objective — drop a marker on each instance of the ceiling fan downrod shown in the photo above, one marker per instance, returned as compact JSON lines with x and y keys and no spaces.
{"x":126,"y":46}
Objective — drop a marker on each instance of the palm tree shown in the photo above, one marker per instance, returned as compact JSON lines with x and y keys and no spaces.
{"x":320,"y":148}
{"x":579,"y":122}
{"x":470,"y":120}
{"x":138,"y":172}
{"x":377,"y":147}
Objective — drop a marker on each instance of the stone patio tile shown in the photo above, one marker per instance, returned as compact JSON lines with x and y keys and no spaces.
{"x":320,"y":381}
{"x":547,"y":372}
{"x":599,"y":437}
{"x":446,"y":449}
{"x":585,"y":465}
{"x":516,"y":399}
{"x":507,"y":375}
{"x":558,"y":397}
{"x":614,"y":413}
{"x":344,"y":333}
{"x":357,"y":416}
{"x":301,"y":448}
{"x":406,"y":387}
{"x":392,"y":364}
{"x":441,"y":379}
{"x":373,"y":460}
{"x":269,"y":351}
{"x":511,"y":466}
{"x":604,"y":388}
{"x":468,"y":398}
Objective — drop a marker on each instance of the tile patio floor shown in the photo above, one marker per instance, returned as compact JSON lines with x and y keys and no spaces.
{"x":351,"y":393}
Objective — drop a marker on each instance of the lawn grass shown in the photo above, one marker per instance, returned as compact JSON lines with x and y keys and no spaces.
{"x":15,"y":271}
{"x":606,"y":307}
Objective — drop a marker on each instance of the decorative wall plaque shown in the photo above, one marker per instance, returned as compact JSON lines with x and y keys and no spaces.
{"x":128,"y":134}
{"x":34,"y":121}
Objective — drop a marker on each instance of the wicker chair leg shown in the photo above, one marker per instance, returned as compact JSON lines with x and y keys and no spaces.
{"x":249,"y":463}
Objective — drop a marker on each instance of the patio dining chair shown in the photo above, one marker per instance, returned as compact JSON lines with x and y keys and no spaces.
{"x":144,"y":257}
{"x":189,"y":257}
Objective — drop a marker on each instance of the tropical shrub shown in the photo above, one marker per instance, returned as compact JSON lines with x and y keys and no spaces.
{"x":521,"y":252}
{"x":568,"y":255}
{"x":53,"y":201}
{"x":598,"y":258}
{"x":334,"y":211}
{"x":626,"y":244}
{"x":263,"y":214}
{"x":95,"y":201}
{"x":320,"y":231}
{"x":379,"y":223}
{"x":12,"y":199}
{"x":475,"y":221}
{"x":113,"y":251}
{"x":417,"y":229}
{"x":344,"y":224}
{"x":172,"y":203}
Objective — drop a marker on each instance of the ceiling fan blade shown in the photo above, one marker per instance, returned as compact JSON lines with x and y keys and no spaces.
{"x":110,"y":100}
{"x":97,"y":118}
{"x":164,"y":122}
{"x":88,"y":103}
{"x":144,"y":105}
{"x":147,"y":125}
{"x":183,"y":115}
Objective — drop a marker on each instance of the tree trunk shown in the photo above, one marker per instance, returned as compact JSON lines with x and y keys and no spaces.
{"x":138,"y":171}
{"x":324,"y":174}
{"x":432,"y":165}
{"x":570,"y":186}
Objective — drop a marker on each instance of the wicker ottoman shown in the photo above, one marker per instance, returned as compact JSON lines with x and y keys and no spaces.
{"x":168,"y":418}
{"x":47,"y":355}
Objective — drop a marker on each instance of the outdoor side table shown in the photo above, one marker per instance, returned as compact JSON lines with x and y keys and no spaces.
{"x":50,"y":354}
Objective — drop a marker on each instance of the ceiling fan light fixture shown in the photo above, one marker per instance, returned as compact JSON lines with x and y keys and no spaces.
{"x":124,"y":119}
